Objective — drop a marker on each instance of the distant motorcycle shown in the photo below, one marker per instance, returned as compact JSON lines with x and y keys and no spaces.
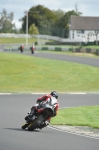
{"x":21,"y":48}
{"x":32,"y":49}
{"x":38,"y":119}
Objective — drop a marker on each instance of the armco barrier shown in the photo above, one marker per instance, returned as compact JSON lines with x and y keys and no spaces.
{"x":58,"y":49}
{"x":97,"y":51}
{"x":88,"y":50}
{"x":53,"y":48}
{"x":77,"y":50}
{"x":44,"y":48}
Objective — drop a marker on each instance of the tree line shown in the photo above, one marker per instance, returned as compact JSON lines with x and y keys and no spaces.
{"x":41,"y":20}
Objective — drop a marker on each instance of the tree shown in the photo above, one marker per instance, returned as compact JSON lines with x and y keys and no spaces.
{"x":6,"y":25}
{"x":58,"y":31}
{"x":41,"y":16}
{"x":33,"y":30}
{"x":59,"y":13}
{"x":49,"y":22}
{"x":65,"y":20}
{"x":77,"y":9}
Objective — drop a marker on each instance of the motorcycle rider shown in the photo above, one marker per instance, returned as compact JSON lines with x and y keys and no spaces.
{"x":51,"y":98}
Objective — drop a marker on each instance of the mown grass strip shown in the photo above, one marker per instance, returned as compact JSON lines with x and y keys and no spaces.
{"x":79,"y":116}
{"x":21,"y":73}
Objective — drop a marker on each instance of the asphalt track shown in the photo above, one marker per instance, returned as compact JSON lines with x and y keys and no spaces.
{"x":13,"y":109}
{"x":75,"y":59}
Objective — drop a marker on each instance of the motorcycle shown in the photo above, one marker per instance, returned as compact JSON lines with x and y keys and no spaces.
{"x":32,"y":49}
{"x":39,"y":118}
{"x":21,"y":48}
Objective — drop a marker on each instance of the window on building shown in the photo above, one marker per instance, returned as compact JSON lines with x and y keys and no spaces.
{"x":97,"y":31}
{"x":80,"y":31}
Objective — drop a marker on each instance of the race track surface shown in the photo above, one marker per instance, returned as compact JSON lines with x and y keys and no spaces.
{"x":13,"y":109}
{"x":75,"y":59}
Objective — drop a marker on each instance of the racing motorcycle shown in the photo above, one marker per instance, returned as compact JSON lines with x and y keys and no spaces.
{"x":39,"y":118}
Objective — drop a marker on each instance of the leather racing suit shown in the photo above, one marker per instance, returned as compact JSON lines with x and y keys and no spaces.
{"x":38,"y":106}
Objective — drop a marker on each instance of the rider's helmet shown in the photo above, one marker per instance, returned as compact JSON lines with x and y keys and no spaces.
{"x":54,"y":94}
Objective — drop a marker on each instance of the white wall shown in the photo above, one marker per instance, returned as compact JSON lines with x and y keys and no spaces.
{"x":88,"y":36}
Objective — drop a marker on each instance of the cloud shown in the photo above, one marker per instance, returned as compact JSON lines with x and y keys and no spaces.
{"x":18,"y":24}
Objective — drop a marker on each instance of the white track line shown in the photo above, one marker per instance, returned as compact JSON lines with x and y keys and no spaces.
{"x":62,"y":130}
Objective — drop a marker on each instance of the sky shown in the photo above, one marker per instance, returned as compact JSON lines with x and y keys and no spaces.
{"x":18,"y":7}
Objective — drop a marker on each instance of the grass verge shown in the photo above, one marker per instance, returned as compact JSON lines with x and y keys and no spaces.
{"x":20,"y":73}
{"x":79,"y":116}
{"x":16,"y":40}
{"x":91,"y":55}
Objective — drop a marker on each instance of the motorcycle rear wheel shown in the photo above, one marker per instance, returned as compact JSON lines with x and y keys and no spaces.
{"x":32,"y":51}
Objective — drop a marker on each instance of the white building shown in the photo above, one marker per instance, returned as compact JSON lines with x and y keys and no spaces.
{"x":84,"y":29}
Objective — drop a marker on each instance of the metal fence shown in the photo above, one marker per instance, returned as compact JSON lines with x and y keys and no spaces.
{"x":47,"y":37}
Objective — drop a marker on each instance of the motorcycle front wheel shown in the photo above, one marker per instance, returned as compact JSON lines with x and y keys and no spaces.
{"x":36,"y":124}
{"x":24,"y":126}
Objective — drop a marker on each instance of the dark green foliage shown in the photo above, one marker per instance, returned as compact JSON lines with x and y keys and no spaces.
{"x":58,"y":48}
{"x":55,"y":23}
{"x":44,"y":48}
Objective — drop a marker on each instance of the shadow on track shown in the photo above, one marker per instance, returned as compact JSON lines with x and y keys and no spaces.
{"x":18,"y":129}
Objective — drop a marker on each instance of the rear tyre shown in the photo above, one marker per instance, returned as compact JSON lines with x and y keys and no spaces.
{"x":32,"y":51}
{"x":21,"y":50}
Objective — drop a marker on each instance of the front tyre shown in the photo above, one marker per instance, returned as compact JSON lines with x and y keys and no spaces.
{"x":24,"y":126}
{"x":36,"y":124}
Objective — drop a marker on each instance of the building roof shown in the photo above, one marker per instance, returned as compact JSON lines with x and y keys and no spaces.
{"x":84,"y":23}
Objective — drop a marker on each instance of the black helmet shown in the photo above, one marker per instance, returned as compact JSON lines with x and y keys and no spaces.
{"x":54,"y":94}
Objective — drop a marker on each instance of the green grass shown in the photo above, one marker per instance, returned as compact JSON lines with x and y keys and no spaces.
{"x":11,"y":40}
{"x":16,"y":40}
{"x":80,"y":116}
{"x":21,"y":73}
{"x":91,"y":46}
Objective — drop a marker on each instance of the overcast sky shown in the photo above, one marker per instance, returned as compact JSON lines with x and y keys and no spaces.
{"x":87,"y":7}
